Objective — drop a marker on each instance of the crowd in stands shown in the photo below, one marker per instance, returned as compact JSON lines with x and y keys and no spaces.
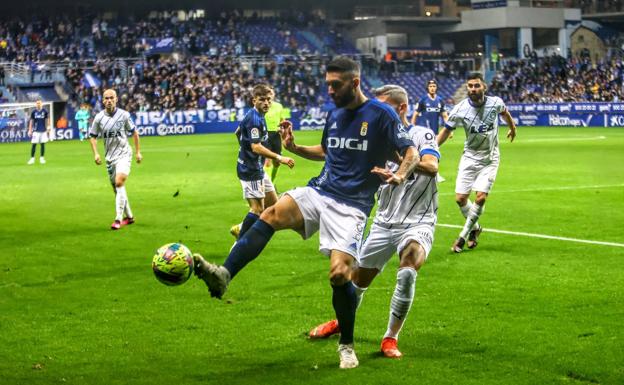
{"x":43,"y":39}
{"x":555,"y":79}
{"x":62,"y":38}
{"x":200,"y":82}
{"x":210,"y":68}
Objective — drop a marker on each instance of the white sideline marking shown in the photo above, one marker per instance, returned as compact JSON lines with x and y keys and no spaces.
{"x":568,"y":139}
{"x":560,"y":188}
{"x":485,"y":229}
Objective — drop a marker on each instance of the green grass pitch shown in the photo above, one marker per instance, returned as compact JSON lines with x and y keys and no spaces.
{"x":80,"y":305}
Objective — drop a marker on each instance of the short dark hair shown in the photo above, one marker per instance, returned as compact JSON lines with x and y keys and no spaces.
{"x":261,"y":89}
{"x":343,"y":64}
{"x":432,"y":81}
{"x":475,"y":75}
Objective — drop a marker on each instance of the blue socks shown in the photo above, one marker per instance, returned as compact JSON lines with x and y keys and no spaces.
{"x":248,"y":247}
{"x":249,"y":220}
{"x":345,"y":301}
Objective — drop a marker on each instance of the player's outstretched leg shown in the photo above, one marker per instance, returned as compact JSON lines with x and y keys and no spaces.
{"x":245,"y":250}
{"x":216,"y":277}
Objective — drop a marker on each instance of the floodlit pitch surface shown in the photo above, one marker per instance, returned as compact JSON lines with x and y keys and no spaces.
{"x":79,"y":303}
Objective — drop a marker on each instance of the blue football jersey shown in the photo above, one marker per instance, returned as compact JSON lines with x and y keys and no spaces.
{"x":252,"y":130}
{"x":354,"y":142}
{"x":431,"y":110}
{"x":39,"y":119}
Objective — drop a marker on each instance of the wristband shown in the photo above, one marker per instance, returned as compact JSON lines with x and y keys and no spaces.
{"x":278,"y":158}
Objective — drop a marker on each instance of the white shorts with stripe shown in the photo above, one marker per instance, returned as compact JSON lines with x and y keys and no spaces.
{"x":341,"y":227}
{"x":256,"y":189}
{"x":475,"y":175}
{"x":118,"y":166}
{"x":39,"y":137}
{"x":384,"y":240}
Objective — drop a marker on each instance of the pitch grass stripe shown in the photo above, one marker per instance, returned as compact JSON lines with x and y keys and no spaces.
{"x":543,"y":236}
{"x":560,"y":188}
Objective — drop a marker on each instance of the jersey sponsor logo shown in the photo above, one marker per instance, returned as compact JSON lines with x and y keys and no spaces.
{"x":364,"y":129}
{"x":433,"y":109}
{"x":255,"y":133}
{"x":333,"y":126}
{"x":111,"y":134}
{"x":480,"y":129}
{"x":347,"y":143}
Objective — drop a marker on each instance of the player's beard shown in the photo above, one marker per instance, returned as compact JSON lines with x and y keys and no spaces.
{"x":343,"y":100}
{"x":476,"y":98}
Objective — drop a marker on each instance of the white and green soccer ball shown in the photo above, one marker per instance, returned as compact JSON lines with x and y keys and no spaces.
{"x":173,"y":264}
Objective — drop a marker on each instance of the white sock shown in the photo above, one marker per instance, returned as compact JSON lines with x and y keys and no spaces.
{"x":120,"y":202}
{"x":127,"y":208}
{"x":401,"y":302}
{"x":471,"y":220}
{"x":359,"y":292}
{"x":466,"y":209}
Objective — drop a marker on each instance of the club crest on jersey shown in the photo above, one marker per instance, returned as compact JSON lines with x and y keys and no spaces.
{"x":255,"y":133}
{"x":364,"y":129}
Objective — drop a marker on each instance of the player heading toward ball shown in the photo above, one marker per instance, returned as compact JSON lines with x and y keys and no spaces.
{"x":478,"y":114}
{"x":114,"y":125}
{"x":359,"y":135}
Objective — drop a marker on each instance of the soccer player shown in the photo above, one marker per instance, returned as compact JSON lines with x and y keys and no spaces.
{"x":359,"y":135}
{"x":258,"y":189}
{"x":39,"y":131}
{"x":82,"y":117}
{"x":405,"y":220}
{"x":114,"y":125}
{"x":274,"y":117}
{"x":478,"y":114}
{"x":431,"y":106}
{"x":272,"y":142}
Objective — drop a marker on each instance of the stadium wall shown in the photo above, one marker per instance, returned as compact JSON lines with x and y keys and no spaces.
{"x":568,"y":114}
{"x":155,"y":123}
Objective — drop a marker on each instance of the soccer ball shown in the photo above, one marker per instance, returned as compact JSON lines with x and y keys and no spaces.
{"x":173,"y":264}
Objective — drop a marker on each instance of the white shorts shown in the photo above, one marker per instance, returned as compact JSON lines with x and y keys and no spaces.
{"x":39,"y":137}
{"x":256,"y":189}
{"x":384,"y":240}
{"x":477,"y":176}
{"x":341,"y":226}
{"x":119,"y":166}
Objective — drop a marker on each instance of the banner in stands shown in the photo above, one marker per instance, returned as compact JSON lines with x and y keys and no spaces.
{"x":568,"y":114}
{"x":156,"y":123}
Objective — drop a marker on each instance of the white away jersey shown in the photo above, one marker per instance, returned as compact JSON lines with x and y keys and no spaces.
{"x":114,"y":130}
{"x":481,"y":126}
{"x":416,"y":200}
